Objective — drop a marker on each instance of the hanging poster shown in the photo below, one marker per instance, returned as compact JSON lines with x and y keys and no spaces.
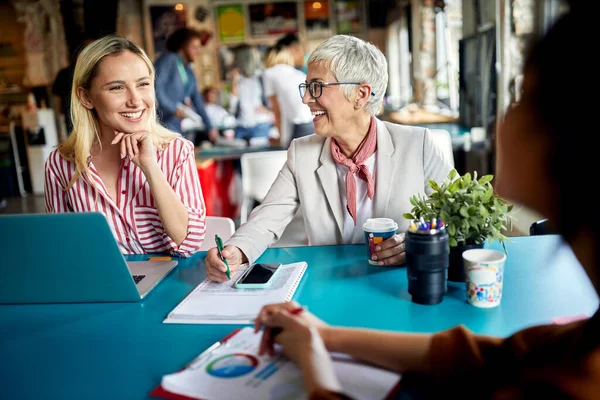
{"x":273,"y":18}
{"x":317,"y":17}
{"x":165,"y":20}
{"x":348,"y":16}
{"x":232,"y":26}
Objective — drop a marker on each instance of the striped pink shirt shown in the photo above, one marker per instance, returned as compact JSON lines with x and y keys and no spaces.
{"x":133,"y":218}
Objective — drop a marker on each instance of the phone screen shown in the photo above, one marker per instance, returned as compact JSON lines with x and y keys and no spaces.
{"x":259,"y":273}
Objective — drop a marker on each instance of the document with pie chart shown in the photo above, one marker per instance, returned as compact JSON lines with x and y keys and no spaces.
{"x":234,"y":370}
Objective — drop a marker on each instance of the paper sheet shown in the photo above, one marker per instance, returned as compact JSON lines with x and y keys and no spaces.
{"x":221,"y":303}
{"x":235,"y":371}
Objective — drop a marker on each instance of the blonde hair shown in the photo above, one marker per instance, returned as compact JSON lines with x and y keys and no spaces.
{"x":77,"y":147}
{"x":277,"y":55}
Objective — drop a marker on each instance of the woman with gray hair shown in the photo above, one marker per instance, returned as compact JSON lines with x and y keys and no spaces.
{"x":355,"y":167}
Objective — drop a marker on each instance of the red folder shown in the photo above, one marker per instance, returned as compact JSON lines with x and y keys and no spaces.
{"x":160,"y":392}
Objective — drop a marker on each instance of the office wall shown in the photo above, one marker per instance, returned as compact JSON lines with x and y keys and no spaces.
{"x":130,"y":21}
{"x":12,"y":49}
{"x":39,"y":25}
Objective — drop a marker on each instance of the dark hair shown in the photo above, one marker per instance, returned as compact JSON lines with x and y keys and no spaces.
{"x":178,"y":39}
{"x":288,"y":40}
{"x":561,"y":92}
{"x":207,"y":90}
{"x":81,"y":44}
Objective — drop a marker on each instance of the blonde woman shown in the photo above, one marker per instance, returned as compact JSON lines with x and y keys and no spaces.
{"x":120,"y":161}
{"x":292,"y":118}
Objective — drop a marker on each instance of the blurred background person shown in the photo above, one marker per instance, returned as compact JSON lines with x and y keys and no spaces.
{"x":292,"y":118}
{"x":61,"y":87}
{"x":177,"y":85}
{"x":219,"y":116}
{"x":291,"y":42}
{"x":248,"y":101}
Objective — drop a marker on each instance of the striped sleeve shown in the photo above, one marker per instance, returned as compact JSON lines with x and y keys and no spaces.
{"x":187,"y":186}
{"x":54,"y":194}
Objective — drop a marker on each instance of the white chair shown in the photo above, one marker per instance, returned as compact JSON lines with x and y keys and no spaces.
{"x":259,"y":171}
{"x":222,"y":226}
{"x":444,"y":140}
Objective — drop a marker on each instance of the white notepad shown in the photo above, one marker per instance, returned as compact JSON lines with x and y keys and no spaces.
{"x":232,"y":369}
{"x":221,"y":303}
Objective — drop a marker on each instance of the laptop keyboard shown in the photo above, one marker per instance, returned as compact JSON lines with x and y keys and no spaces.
{"x":138,"y":278}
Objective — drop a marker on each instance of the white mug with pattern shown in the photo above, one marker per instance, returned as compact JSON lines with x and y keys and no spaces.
{"x":484,"y":270}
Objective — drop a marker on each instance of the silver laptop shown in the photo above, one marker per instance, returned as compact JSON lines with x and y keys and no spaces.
{"x":69,"y":258}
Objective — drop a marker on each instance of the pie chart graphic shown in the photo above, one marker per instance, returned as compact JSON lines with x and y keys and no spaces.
{"x":232,"y":365}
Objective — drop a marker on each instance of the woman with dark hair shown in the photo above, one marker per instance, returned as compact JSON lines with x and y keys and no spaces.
{"x":176,"y":83}
{"x":542,"y":165}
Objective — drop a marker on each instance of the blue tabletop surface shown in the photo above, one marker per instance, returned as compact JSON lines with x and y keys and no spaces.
{"x":121,"y":350}
{"x":455,"y":129}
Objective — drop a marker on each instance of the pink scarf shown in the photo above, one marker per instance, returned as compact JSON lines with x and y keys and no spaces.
{"x":356,"y":166}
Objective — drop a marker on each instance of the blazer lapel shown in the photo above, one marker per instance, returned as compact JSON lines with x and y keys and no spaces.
{"x":386,"y":169}
{"x":327,"y":173}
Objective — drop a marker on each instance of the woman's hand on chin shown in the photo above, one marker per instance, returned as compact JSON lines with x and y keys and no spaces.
{"x":138,"y":147}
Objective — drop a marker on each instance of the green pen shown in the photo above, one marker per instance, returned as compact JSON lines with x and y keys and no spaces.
{"x":219,"y":243}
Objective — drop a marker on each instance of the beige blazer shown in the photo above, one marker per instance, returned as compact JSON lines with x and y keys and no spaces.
{"x":406,"y":159}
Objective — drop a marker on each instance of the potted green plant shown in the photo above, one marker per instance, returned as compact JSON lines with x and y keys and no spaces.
{"x":471,"y":211}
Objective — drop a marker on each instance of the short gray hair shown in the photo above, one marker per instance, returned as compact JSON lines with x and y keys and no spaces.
{"x":355,"y":60}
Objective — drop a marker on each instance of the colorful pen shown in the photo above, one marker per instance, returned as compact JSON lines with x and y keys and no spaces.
{"x":219,"y":243}
{"x":423,"y":227}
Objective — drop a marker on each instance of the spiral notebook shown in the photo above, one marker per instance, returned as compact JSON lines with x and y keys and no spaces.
{"x":221,"y":303}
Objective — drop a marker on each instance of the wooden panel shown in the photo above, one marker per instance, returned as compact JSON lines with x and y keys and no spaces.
{"x":12,"y":54}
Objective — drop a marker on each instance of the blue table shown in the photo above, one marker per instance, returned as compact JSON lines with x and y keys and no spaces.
{"x":121,"y":350}
{"x":455,"y":129}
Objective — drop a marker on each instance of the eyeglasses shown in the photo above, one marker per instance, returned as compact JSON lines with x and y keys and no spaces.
{"x":315,"y":88}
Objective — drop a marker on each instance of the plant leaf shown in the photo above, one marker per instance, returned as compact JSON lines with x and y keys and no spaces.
{"x":486,"y":179}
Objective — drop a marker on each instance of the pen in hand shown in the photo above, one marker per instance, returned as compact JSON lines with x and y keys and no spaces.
{"x":277,"y":331}
{"x":219,"y":243}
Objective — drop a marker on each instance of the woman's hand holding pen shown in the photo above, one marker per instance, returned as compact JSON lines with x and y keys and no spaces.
{"x":296,"y":328}
{"x":391,"y":251}
{"x":138,"y":147}
{"x":216,"y":270}
{"x":299,"y":332}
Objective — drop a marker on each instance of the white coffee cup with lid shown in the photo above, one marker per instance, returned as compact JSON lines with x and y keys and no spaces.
{"x":376,"y":231}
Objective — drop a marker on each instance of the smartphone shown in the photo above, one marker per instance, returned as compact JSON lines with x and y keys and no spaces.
{"x":257,"y":276}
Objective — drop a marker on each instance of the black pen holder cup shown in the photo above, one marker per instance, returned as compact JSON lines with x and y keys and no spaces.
{"x":427,"y":258}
